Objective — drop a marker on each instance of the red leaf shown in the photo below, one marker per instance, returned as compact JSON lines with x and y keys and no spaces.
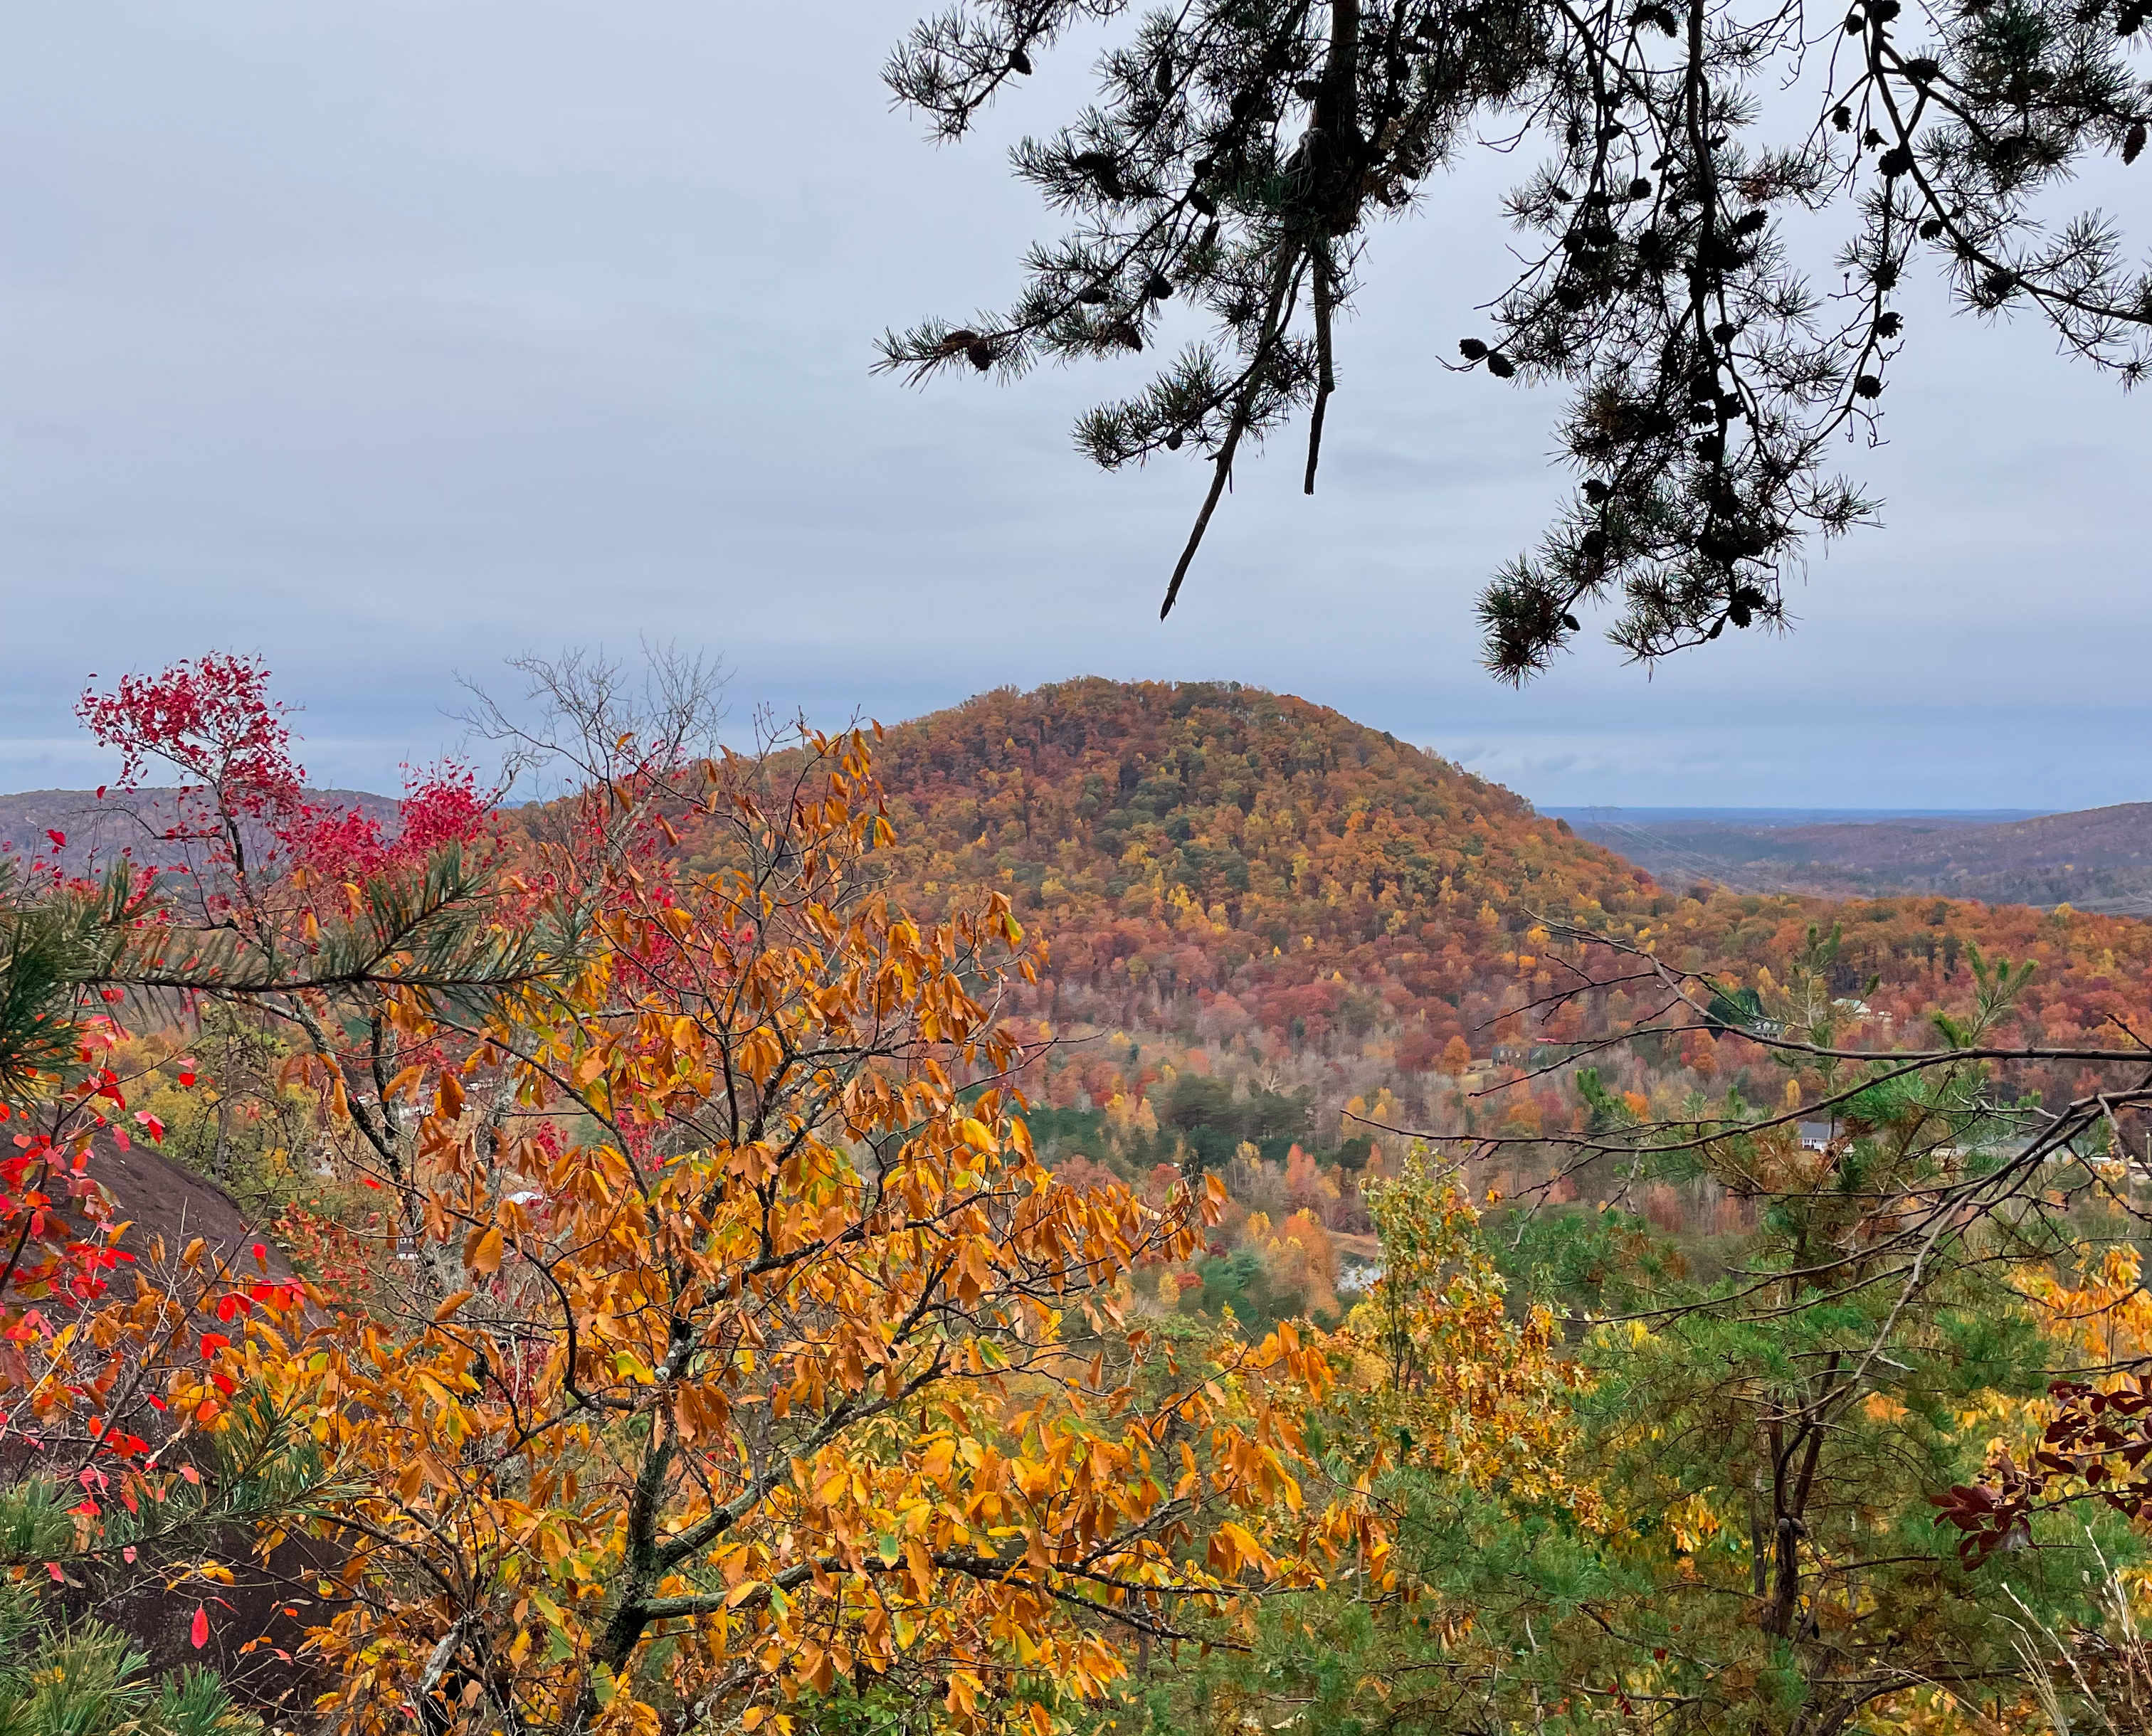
{"x":58,"y":838}
{"x":199,"y":1633}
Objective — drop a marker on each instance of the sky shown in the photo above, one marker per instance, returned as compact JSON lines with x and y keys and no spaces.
{"x":390,"y":339}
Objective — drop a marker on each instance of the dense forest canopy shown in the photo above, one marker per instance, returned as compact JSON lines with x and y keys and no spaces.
{"x":1135,"y":1206}
{"x":1206,"y":857}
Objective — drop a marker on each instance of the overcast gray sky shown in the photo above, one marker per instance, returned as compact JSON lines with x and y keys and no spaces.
{"x":389,"y":339}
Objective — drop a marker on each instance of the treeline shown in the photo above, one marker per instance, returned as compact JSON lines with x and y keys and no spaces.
{"x":719,"y":1281}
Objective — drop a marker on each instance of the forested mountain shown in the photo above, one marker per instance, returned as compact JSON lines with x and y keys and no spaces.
{"x":1522,"y":1343}
{"x":1242,"y":874}
{"x":1201,"y":840}
{"x":2098,"y":860}
{"x":92,"y":828}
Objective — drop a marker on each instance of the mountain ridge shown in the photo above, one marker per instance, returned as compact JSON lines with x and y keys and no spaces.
{"x":2097,"y":858}
{"x":1254,"y":890}
{"x":100,"y":825}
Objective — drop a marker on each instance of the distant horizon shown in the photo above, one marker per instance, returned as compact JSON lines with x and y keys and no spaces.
{"x":93,"y":767}
{"x":1588,"y":813}
{"x":1604,"y":812}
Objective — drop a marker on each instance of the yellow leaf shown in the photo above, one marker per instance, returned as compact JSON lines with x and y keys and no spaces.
{"x":447,"y":1309}
{"x":485,"y":1257}
{"x":450,"y":1098}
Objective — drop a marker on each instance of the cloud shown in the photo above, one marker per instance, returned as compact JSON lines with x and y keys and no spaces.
{"x":391,"y":340}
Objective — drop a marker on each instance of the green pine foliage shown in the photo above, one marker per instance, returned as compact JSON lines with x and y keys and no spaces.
{"x":55,"y":941}
{"x":1220,"y":190}
{"x":90,"y":1679}
{"x":1768,"y":1417}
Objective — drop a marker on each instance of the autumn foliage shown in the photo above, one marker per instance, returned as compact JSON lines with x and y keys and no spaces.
{"x":719,"y":1301}
{"x":921,"y":1228}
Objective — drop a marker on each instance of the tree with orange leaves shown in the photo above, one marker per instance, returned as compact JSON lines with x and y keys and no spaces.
{"x":752,"y":1352}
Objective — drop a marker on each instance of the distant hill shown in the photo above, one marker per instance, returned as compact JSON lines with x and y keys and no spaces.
{"x":2097,"y":859}
{"x":1212,"y":860}
{"x":1200,"y":839}
{"x":1252,"y":880}
{"x":97,"y":829}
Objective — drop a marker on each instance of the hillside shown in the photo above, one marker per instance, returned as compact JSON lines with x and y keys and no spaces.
{"x":98,"y":827}
{"x":1258,"y":890}
{"x":1209,"y":839}
{"x":1254,"y":891}
{"x":2100,"y":858}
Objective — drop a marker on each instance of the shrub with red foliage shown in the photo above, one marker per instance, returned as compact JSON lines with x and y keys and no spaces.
{"x":442,"y":806}
{"x":1416,"y":1050}
{"x":211,"y":719}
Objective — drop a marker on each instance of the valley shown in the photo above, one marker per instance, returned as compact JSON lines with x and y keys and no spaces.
{"x":959,"y":1119}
